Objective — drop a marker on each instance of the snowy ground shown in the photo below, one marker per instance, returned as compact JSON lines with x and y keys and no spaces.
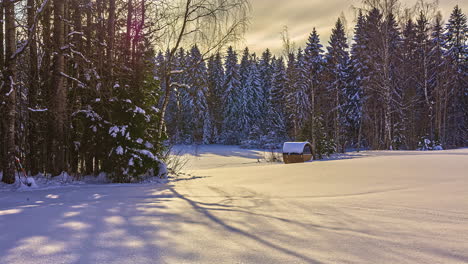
{"x":232,"y":207}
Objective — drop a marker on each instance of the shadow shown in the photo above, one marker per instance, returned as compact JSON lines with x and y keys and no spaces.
{"x":121,"y":224}
{"x":90,"y":224}
{"x":171,"y":224}
{"x":186,"y":177}
{"x":218,"y":221}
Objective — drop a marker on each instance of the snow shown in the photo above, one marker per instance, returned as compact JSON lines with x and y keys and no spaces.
{"x":115,"y":130}
{"x":37,"y":110}
{"x":119,"y":150}
{"x":146,"y":153}
{"x":367,"y":207}
{"x":294,"y":147}
{"x":139,"y":110}
{"x":75,"y":33}
{"x":40,"y":182}
{"x":148,"y":145}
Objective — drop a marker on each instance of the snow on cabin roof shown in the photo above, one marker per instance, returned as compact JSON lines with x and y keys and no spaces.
{"x":294,"y":147}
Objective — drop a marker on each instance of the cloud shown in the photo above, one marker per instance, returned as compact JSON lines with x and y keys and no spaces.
{"x":301,"y":16}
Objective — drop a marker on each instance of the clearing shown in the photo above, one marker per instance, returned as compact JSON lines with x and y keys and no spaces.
{"x":232,"y":207}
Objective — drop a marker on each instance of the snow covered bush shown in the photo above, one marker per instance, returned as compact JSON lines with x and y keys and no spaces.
{"x":124,"y":121}
{"x":427,"y":144}
{"x":132,"y":132}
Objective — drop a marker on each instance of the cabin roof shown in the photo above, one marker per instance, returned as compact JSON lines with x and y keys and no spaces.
{"x":294,"y":147}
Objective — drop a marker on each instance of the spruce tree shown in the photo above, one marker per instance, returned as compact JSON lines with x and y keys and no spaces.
{"x":232,"y":94}
{"x":266,"y":78}
{"x":337,"y":61}
{"x":255,"y":101}
{"x":245,"y":116}
{"x":290,"y":100}
{"x":438,"y":80}
{"x":199,"y":118}
{"x":301,"y":96}
{"x":216,"y":92}
{"x":277,"y":101}
{"x":359,"y":73}
{"x":409,"y":69}
{"x":314,"y":60}
{"x":455,"y":39}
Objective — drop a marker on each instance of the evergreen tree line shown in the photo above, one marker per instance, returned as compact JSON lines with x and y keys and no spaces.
{"x":78,"y":93}
{"x":394,"y":87}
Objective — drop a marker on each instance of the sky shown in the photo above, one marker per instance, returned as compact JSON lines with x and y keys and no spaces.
{"x":268,"y":17}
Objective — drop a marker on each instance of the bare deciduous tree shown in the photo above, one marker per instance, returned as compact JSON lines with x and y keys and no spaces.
{"x":209,"y":23}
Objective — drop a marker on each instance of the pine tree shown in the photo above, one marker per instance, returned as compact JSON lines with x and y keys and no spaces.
{"x":198,"y":105}
{"x":409,"y":69}
{"x":382,"y":90}
{"x":277,"y":99}
{"x":230,"y":134}
{"x":392,"y":91}
{"x":301,"y":96}
{"x":370,"y":43}
{"x":359,"y":73}
{"x":176,"y":119}
{"x":425,"y":121}
{"x":255,"y":101}
{"x":245,"y":96}
{"x":437,"y":80}
{"x":337,"y":61}
{"x":266,"y":78}
{"x":455,"y":39}
{"x":290,"y":100}
{"x":314,"y":67}
{"x":216,"y":92}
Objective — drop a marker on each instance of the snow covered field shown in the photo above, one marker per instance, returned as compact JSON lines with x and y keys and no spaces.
{"x":233,"y":207}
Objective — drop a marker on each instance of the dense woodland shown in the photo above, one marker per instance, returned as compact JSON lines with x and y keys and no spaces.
{"x":92,"y":86}
{"x":79,"y":92}
{"x":400,"y":84}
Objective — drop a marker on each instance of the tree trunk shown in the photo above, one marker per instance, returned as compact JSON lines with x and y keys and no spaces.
{"x":110,"y":44}
{"x":313,"y":134}
{"x":59,"y":95}
{"x":2,"y":109}
{"x":100,"y":38}
{"x":128,"y":37}
{"x":10,"y":95}
{"x":2,"y":39}
{"x":89,"y":26}
{"x":46,"y":86}
{"x":33,"y":91}
{"x":75,"y":69}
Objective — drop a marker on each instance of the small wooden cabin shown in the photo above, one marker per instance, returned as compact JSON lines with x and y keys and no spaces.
{"x":296,"y":152}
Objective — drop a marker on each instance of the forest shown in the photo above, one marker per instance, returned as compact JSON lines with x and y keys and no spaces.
{"x":92,"y":86}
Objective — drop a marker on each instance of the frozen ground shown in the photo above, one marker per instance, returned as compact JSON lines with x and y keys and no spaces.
{"x":372,"y":207}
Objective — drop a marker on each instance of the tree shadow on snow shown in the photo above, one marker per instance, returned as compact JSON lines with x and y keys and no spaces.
{"x":119,"y":224}
{"x":153,"y":224}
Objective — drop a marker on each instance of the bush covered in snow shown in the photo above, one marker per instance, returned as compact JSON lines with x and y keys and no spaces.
{"x":125,"y":122}
{"x":132,"y":133}
{"x":427,"y":144}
